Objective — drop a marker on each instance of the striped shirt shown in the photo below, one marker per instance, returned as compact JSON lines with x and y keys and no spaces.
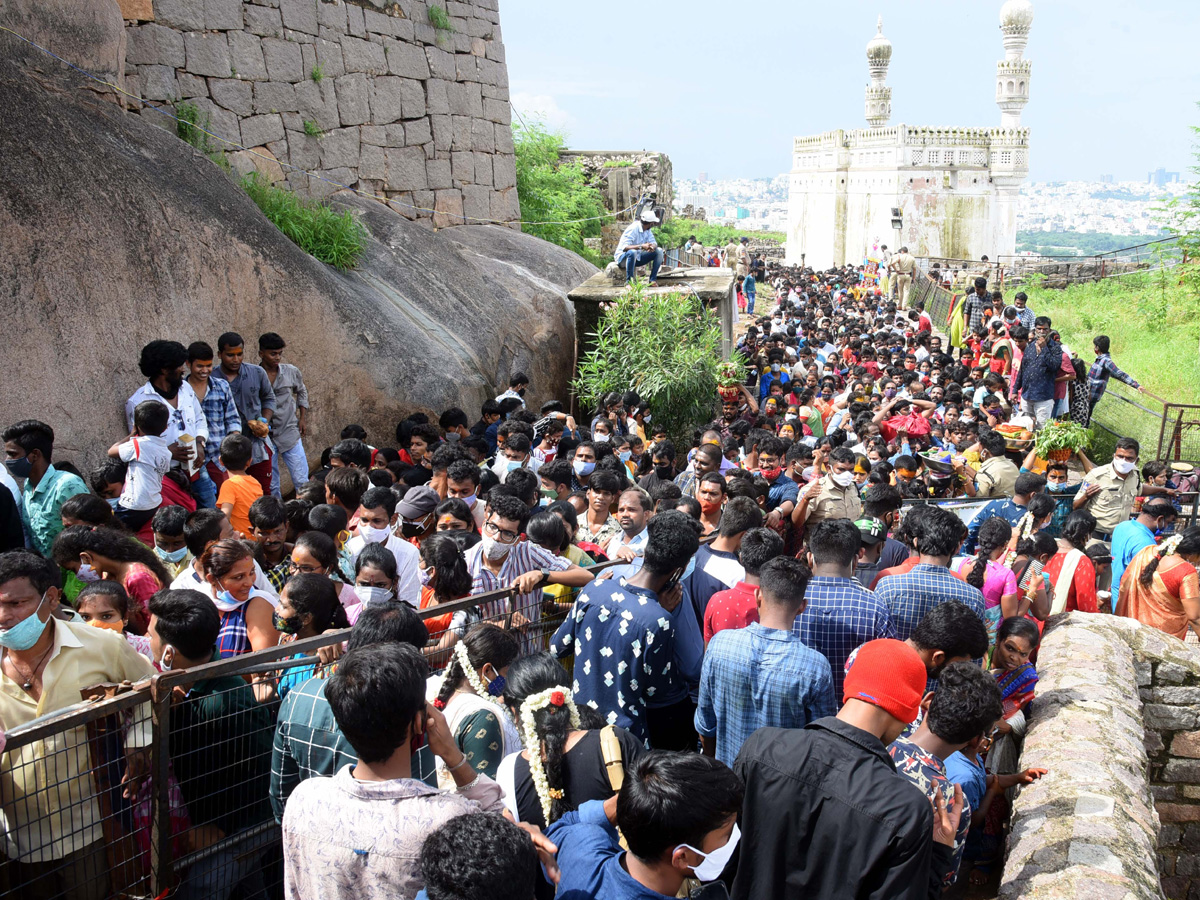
{"x":524,"y":556}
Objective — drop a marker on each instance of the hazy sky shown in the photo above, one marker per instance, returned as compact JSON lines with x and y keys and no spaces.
{"x":723,"y":87}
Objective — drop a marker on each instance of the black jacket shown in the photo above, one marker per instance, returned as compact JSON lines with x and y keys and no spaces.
{"x":827,"y":816}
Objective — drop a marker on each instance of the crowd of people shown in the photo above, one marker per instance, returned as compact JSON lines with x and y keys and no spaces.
{"x":798,"y":675}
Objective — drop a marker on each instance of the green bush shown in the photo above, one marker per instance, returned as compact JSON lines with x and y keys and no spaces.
{"x":312,"y":129}
{"x":192,"y":128}
{"x":665,"y":346}
{"x":550,"y":191}
{"x":675,"y":231}
{"x":338,"y":239}
{"x":439,"y":19}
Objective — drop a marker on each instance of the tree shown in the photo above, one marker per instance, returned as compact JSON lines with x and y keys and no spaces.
{"x":555,"y":193}
{"x":665,"y":346}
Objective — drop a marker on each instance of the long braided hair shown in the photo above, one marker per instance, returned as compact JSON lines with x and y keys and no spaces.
{"x":528,"y":677}
{"x":994,"y":535}
{"x":484,"y":644}
{"x":1185,"y":544}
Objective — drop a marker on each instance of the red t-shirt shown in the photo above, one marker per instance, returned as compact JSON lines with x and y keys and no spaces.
{"x":734,"y":608}
{"x":903,"y":569}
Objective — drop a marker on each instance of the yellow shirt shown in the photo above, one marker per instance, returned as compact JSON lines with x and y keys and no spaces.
{"x":47,"y":792}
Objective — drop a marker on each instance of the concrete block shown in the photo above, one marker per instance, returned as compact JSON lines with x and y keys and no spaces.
{"x":154,"y":45}
{"x":283,"y":60}
{"x":221,"y":122}
{"x":353,"y":99}
{"x":300,"y":15}
{"x":274,"y":96}
{"x":136,"y":10}
{"x":223,"y":15}
{"x":1186,"y":744}
{"x":186,"y":15}
{"x":329,"y":182}
{"x":1178,"y":812}
{"x":378,"y":23}
{"x":303,"y":151}
{"x":308,"y":58}
{"x":492,"y":92}
{"x":207,"y":54}
{"x":233,"y":95}
{"x":262,"y":20}
{"x":387,"y":100}
{"x":375,"y":135}
{"x":354,"y":21}
{"x":476,"y":203}
{"x":443,"y":132}
{"x":466,"y":99}
{"x":158,"y":83}
{"x":437,"y":96}
{"x":246,"y":56}
{"x":372,"y":162}
{"x":406,"y":169}
{"x":261,"y":129}
{"x":339,"y":149}
{"x":1173,"y":718}
{"x":438,"y":173}
{"x":318,"y":102}
{"x":1180,"y":696}
{"x":505,"y":206}
{"x":431,"y":152}
{"x":364,"y":56}
{"x":190,"y":86}
{"x":495,"y":51}
{"x":504,"y":139}
{"x":465,"y":68}
{"x":1182,"y":770}
{"x":462,"y":133}
{"x":1170,"y":673}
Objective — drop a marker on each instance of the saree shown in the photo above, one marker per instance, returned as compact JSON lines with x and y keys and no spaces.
{"x":1161,"y":604}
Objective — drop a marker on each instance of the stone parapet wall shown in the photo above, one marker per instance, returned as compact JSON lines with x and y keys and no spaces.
{"x":365,"y":93}
{"x":1116,"y":721}
{"x":622,"y":176}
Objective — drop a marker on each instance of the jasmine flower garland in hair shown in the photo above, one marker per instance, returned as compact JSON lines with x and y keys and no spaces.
{"x":555,"y":696}
{"x":464,"y":662}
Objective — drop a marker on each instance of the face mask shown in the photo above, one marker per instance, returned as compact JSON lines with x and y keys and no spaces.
{"x":710,"y":505}
{"x":1123,"y":466}
{"x":290,"y":625}
{"x":116,"y":626}
{"x":425,"y":576}
{"x":112,"y":501}
{"x":372,"y":595}
{"x":713,"y":864}
{"x":469,"y":500}
{"x":842,"y":479}
{"x":1056,"y":488}
{"x":582,"y":467}
{"x":374,"y":535}
{"x":646,"y":418}
{"x":19,"y":468}
{"x":513,"y":464}
{"x":625,"y":455}
{"x":790,"y":417}
{"x":493,"y":549}
{"x":495,"y":687}
{"x":412,"y":529}
{"x":665,"y":473}
{"x":87,"y":573}
{"x":226,"y":602}
{"x":25,"y":633}
{"x":172,"y":556}
{"x":771,"y":474}
{"x":775,"y":367}
{"x":600,"y":438}
{"x":548,"y":494}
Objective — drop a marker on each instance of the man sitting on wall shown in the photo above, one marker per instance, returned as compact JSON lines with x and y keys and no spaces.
{"x":638,"y":247}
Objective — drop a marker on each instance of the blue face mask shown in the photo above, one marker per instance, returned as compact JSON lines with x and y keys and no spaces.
{"x":112,"y":501}
{"x":25,"y":633}
{"x":173,"y":556}
{"x":625,"y":455}
{"x":495,"y":687}
{"x":513,"y":464}
{"x":1056,"y":488}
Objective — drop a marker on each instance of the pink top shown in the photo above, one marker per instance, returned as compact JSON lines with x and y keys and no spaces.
{"x":351,"y":602}
{"x":998,"y":580}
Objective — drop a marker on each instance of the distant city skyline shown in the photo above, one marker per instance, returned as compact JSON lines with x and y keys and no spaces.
{"x":1113,"y":91}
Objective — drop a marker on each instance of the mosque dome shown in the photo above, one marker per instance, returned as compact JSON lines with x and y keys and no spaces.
{"x":1016,"y":14}
{"x":879,"y":48}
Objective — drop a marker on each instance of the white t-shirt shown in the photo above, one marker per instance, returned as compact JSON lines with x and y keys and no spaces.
{"x":189,"y":578}
{"x":408,"y":562}
{"x":149,"y":460}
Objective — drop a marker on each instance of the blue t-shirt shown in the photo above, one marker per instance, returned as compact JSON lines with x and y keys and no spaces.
{"x":1128,"y":539}
{"x":970,"y":775}
{"x":589,"y":858}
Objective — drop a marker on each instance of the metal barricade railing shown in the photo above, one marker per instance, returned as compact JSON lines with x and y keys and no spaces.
{"x":193,"y":749}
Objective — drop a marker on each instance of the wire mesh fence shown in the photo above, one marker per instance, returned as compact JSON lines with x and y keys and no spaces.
{"x":174,"y":787}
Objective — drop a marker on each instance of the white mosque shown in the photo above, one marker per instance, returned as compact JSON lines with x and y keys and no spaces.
{"x":946,"y":192}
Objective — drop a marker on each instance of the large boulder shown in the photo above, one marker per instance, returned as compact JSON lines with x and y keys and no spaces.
{"x":113,"y":233}
{"x":88,"y":33}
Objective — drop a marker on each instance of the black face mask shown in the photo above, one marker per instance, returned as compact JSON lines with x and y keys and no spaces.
{"x":664,"y":472}
{"x":412,"y":529}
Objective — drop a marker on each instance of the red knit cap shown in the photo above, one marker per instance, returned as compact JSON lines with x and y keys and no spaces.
{"x":888,"y":674}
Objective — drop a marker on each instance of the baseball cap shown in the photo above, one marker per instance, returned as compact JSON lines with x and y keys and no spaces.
{"x":419,"y":502}
{"x":648,"y":215}
{"x":889,"y":674}
{"x":873,"y":531}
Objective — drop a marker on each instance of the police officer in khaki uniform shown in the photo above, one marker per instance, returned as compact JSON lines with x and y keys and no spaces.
{"x":1108,"y":491}
{"x":834,"y":495}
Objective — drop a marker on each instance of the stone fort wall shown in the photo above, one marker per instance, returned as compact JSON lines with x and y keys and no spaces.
{"x":366,"y":93}
{"x":1116,"y":720}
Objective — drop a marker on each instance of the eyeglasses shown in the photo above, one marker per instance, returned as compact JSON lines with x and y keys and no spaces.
{"x":294,"y":568}
{"x":504,"y":537}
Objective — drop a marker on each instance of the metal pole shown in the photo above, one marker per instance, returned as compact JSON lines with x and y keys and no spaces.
{"x":160,"y":794}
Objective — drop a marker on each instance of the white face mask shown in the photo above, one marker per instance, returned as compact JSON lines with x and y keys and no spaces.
{"x":493,"y":549}
{"x":600,"y":438}
{"x":1123,"y":466}
{"x":842,"y":479}
{"x":713,"y":864}
{"x":374,"y":535}
{"x":372,"y":595}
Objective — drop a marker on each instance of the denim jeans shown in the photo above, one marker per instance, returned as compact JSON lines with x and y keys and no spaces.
{"x":750,"y":303}
{"x":297,"y":466}
{"x":205,"y":490}
{"x":215,"y":877}
{"x":631,"y":259}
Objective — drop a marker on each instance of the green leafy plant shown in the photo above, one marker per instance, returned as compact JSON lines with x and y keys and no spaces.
{"x":675,"y":231}
{"x":665,"y":346}
{"x":1062,"y":434}
{"x":318,"y":73}
{"x":191,"y":126}
{"x":336,"y":238}
{"x":555,"y":193}
{"x":312,"y":129}
{"x":617,"y":164}
{"x":439,"y":19}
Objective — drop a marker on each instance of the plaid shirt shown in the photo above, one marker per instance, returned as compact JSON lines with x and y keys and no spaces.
{"x":222,"y":416}
{"x":309,"y":744}
{"x":278,"y":575}
{"x":839,"y":616}
{"x":911,"y":595}
{"x":1099,"y":373}
{"x":757,"y":677}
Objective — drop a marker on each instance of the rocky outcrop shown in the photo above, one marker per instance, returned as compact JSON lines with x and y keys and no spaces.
{"x":113,"y":233}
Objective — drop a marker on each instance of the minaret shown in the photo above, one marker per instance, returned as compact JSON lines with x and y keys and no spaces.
{"x":879,"y":96}
{"x":1012,"y":72}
